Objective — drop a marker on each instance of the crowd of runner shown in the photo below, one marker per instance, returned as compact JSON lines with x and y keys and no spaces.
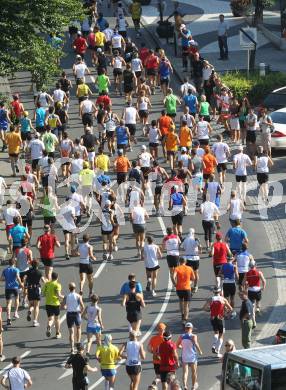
{"x":179,"y":168}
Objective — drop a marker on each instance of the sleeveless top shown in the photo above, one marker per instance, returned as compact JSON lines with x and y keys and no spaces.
{"x":92,"y":319}
{"x":262,"y":164}
{"x":83,"y":253}
{"x":72,"y":302}
{"x":133,"y":353}
{"x":133,"y":305}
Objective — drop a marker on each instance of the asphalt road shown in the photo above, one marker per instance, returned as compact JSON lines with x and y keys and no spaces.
{"x":44,"y":358}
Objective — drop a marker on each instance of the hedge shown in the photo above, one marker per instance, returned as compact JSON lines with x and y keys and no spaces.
{"x":255,"y":86}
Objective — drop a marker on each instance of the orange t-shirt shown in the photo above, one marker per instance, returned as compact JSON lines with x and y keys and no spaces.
{"x":154,"y":344}
{"x":171,"y":142}
{"x":210,"y":163}
{"x":122,"y":164}
{"x":185,"y":136}
{"x":184,"y":275}
{"x":164,"y":124}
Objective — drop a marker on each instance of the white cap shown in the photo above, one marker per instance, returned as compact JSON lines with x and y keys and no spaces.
{"x":143,"y":147}
{"x":108,"y":202}
{"x":240,"y":148}
{"x":188,"y":325}
{"x":99,"y":50}
{"x":183,"y":149}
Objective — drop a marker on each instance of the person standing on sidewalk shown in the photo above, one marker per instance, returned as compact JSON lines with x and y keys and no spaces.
{"x":222,"y":38}
{"x":246,"y":319}
{"x":16,"y":377}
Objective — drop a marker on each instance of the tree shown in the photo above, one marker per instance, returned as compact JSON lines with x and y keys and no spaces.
{"x":260,"y":5}
{"x":25,"y":26}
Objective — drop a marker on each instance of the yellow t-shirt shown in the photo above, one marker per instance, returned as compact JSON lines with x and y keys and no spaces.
{"x":102,"y":162}
{"x":99,"y":38}
{"x":86,"y":177}
{"x":108,"y":356}
{"x":82,"y":90}
{"x":50,"y":291}
{"x":14,"y":142}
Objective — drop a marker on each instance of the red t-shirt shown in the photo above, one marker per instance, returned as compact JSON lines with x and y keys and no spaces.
{"x":220,"y":253}
{"x":143,"y":54}
{"x":105,"y":100}
{"x":167,"y":357}
{"x":80,"y":45}
{"x":48,"y":242}
{"x":152,"y":62}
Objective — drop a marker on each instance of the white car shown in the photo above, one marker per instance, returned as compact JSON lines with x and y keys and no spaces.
{"x":278,"y":137}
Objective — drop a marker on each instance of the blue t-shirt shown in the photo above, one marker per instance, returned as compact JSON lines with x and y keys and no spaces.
{"x":102,"y":178}
{"x":10,"y":275}
{"x":236,"y":235}
{"x":191,"y":102}
{"x":177,"y":199}
{"x":40,"y":117}
{"x":18,"y":233}
{"x":121,"y":135}
{"x":125,"y":289}
{"x":228,"y":272}
{"x":164,"y":70}
{"x":25,"y":125}
{"x":186,"y":41}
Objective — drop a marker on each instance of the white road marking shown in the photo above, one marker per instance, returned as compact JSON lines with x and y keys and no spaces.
{"x":100,"y":269}
{"x":157,"y":319}
{"x":10,"y":365}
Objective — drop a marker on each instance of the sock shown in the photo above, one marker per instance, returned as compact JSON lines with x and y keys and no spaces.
{"x":215,"y":340}
{"x":106,"y":385}
{"x":219,"y":345}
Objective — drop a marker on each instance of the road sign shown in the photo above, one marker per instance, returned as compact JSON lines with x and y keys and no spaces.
{"x":248,"y":38}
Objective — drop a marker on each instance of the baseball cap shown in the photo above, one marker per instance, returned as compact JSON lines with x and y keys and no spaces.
{"x":183,"y":149}
{"x":143,"y":147}
{"x":252,"y":264}
{"x":99,"y":50}
{"x":218,"y":235}
{"x":196,"y":143}
{"x":167,"y":335}
{"x":161,"y":326}
{"x":120,"y":151}
{"x":79,"y":33}
{"x":188,"y":325}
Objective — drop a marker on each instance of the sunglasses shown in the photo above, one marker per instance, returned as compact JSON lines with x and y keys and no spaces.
{"x":228,"y":345}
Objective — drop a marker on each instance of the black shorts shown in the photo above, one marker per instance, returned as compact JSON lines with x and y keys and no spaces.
{"x":138,"y":228}
{"x":143,"y":114}
{"x":145,"y":171}
{"x":49,"y":220}
{"x":262,"y":177}
{"x":77,"y":220}
{"x":151,"y":72}
{"x":217,"y":268}
{"x":110,"y":134}
{"x":204,"y":142}
{"x":178,"y":218}
{"x":87,"y":119}
{"x":132,"y":128}
{"x":241,"y":278}
{"x":11,"y":292}
{"x":164,"y":80}
{"x":184,"y":295}
{"x":117,"y":72}
{"x":221,"y":167}
{"x":106,"y":233}
{"x":121,"y":177}
{"x":251,"y":136}
{"x":133,"y":370}
{"x":206,"y":176}
{"x":153,"y":269}
{"x":35,"y":163}
{"x":24,"y":135}
{"x":153,"y":145}
{"x":171,"y":153}
{"x":48,"y":262}
{"x":85,"y":269}
{"x":254,"y":296}
{"x":229,"y":289}
{"x":172,"y":114}
{"x":127,"y":88}
{"x":134,"y":316}
{"x":194,"y":264}
{"x":156,"y":368}
{"x":52,"y":310}
{"x":138,"y":73}
{"x":27,"y":220}
{"x":173,"y":261}
{"x":164,"y":375}
{"x":73,"y":319}
{"x":218,"y":325}
{"x":45,"y":181}
{"x":239,"y":178}
{"x":158,"y":190}
{"x":40,"y":129}
{"x":34,"y":293}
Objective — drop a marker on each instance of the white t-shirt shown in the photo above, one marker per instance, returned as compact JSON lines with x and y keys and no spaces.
{"x":220,"y":150}
{"x":208,"y":209}
{"x":191,"y":247}
{"x":86,"y":107}
{"x":172,"y":243}
{"x":153,"y":135}
{"x":108,"y":32}
{"x":136,"y":65}
{"x":8,"y":215}
{"x":36,"y":147}
{"x":241,"y":161}
{"x":262,"y":164}
{"x":185,"y":87}
{"x":77,"y":200}
{"x":202,"y":130}
{"x":251,"y":118}
{"x":66,"y":216}
{"x":17,"y":378}
{"x":185,"y":158}
{"x":150,"y":255}
{"x":235,"y":211}
{"x":138,"y":215}
{"x":145,"y":159}
{"x":58,"y":95}
{"x":130,"y":115}
{"x":213,"y":188}
{"x":43,"y":99}
{"x":188,"y":118}
{"x":80,"y":70}
{"x":76,"y":165}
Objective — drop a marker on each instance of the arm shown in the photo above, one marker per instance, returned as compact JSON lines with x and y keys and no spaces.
{"x":262,"y":280}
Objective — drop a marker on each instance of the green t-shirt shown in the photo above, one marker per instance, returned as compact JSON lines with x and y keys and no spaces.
{"x":171,"y":104}
{"x":49,"y":140}
{"x":48,"y":210}
{"x":205,"y":109}
{"x":50,"y":291}
{"x":102,"y":82}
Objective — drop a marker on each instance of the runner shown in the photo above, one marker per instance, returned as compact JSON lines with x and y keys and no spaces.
{"x":153,"y":346}
{"x":219,"y":252}
{"x":133,"y":302}
{"x":188,"y":342}
{"x":235,"y":208}
{"x":177,"y":205}
{"x":107,"y":226}
{"x":121,"y":166}
{"x":210,"y":214}
{"x":24,"y":257}
{"x":11,"y":276}
{"x":169,"y":360}
{"x":111,"y":121}
{"x":134,"y":353}
{"x":33,"y":280}
{"x":172,"y":142}
{"x":131,"y":117}
{"x":171,"y":243}
{"x":52,"y":292}
{"x":5,"y":120}
{"x":150,"y":254}
{"x":85,"y":267}
{"x":236,"y":236}
{"x":192,"y":248}
{"x":262,"y":162}
{"x":240,"y":163}
{"x":108,"y":355}
{"x":17,"y":234}
{"x":217,"y":306}
{"x":154,"y":134}
{"x":118,"y":63}
{"x":222,"y":153}
{"x":74,"y":306}
{"x":242,"y":261}
{"x":145,"y":159}
{"x":7,"y":216}
{"x":13,"y":141}
{"x":93,"y":314}
{"x":229,"y":275}
{"x":139,"y":216}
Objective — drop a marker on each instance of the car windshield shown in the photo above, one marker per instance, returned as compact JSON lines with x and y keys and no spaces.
{"x":278,"y":117}
{"x":275,"y":99}
{"x":242,"y":376}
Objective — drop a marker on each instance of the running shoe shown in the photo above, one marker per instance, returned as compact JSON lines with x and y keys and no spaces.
{"x":154,"y":294}
{"x":16,"y":315}
{"x":48,"y":332}
{"x":29,"y":316}
{"x":9,"y":322}
{"x":2,"y":358}
{"x":36,"y":323}
{"x":58,"y":335}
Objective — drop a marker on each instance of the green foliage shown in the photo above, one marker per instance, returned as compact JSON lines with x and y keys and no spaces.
{"x":255,"y":86}
{"x":25,"y":25}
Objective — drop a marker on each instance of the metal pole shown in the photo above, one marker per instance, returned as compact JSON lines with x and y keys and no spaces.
{"x":248,"y":63}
